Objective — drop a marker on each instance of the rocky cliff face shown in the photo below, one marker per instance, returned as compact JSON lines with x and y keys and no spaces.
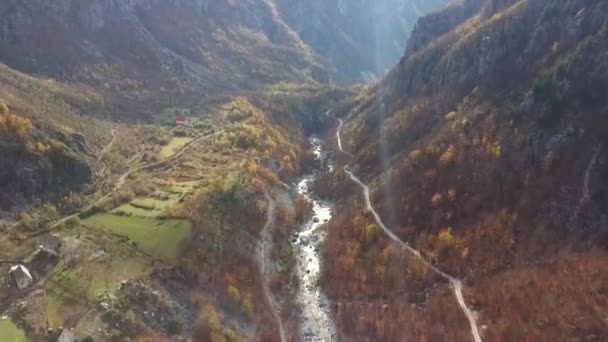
{"x":25,"y":176}
{"x":486,"y":147}
{"x":361,"y":38}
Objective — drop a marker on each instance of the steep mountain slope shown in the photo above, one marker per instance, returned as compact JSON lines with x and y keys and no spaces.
{"x":485,"y":150}
{"x":47,"y":147}
{"x":153,"y":51}
{"x":141,"y":49}
{"x":361,"y":38}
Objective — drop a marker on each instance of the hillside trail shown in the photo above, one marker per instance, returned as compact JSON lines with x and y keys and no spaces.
{"x":585,"y":192}
{"x":104,"y":151}
{"x":263,"y":257}
{"x":108,"y":146}
{"x":456,"y":284}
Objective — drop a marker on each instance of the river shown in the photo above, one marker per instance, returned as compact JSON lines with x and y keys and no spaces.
{"x":316,"y":323}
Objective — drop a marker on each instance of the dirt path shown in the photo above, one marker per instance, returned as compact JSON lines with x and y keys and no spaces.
{"x":455,"y":283}
{"x":263,"y":261}
{"x":108,"y":146}
{"x":585,"y":194}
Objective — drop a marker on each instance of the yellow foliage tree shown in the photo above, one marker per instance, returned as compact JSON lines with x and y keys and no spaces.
{"x":347,"y":263}
{"x":370,"y":232}
{"x":445,"y":239}
{"x":452,"y":194}
{"x":449,"y":156}
{"x":414,"y":156}
{"x":436,"y":200}
{"x":234,"y":294}
{"x":3,"y":108}
{"x":494,"y":149}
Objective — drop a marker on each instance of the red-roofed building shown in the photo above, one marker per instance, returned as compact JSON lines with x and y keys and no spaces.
{"x":181,"y":120}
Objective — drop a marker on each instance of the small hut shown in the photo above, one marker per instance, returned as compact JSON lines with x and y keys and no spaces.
{"x":181,"y":120}
{"x":21,"y":276}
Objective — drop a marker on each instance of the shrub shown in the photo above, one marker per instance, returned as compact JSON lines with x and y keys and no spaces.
{"x":123,"y":196}
{"x":26,"y":220}
{"x":42,"y":148}
{"x":268,"y":176}
{"x":15,"y":125}
{"x":50,"y":212}
{"x":247,"y":306}
{"x":370,"y":231}
{"x":234,"y":294}
{"x":445,"y":239}
{"x":494,"y":149}
{"x":174,"y":326}
{"x":240,"y":110}
{"x":436,"y":200}
{"x":3,"y":108}
{"x":90,"y":212}
{"x":449,"y":156}
{"x":72,"y":203}
{"x":450,"y":116}
{"x":142,"y":189}
{"x":414,"y":156}
{"x":230,"y":335}
{"x":452,"y":194}
{"x":72,"y":222}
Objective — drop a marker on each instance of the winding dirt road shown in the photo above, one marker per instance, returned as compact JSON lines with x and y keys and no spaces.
{"x":263,"y":261}
{"x":455,"y":283}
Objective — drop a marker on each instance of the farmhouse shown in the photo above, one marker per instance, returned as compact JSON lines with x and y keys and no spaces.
{"x":21,"y":276}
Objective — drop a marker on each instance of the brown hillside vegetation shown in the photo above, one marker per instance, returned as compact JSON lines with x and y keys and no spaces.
{"x":491,"y":137}
{"x":45,"y":139}
{"x":156,"y":52}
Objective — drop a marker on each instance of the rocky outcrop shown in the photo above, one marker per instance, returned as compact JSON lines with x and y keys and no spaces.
{"x":502,"y":40}
{"x":36,"y":176}
{"x":436,"y":24}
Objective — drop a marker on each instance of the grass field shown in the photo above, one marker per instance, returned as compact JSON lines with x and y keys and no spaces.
{"x":159,"y":202}
{"x":10,"y":332}
{"x":155,"y":237}
{"x":174,"y":145}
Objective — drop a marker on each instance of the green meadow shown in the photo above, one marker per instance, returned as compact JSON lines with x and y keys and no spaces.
{"x":158,"y":238}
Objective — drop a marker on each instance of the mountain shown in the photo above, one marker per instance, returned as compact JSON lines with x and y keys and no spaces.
{"x":206,"y":170}
{"x":138,"y":48}
{"x":138,"y":57}
{"x":485,"y":149}
{"x":361,"y":38}
{"x":150,"y":51}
